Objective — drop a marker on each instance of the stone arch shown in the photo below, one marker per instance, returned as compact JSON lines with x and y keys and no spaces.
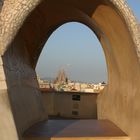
{"x":25,"y":26}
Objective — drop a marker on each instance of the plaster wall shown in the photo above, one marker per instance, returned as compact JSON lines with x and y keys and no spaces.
{"x":49,"y":103}
{"x":6,"y":115}
{"x":62,"y":105}
{"x":23,"y":92}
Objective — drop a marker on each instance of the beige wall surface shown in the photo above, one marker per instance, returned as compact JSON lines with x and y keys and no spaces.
{"x":25,"y":26}
{"x":25,"y":98}
{"x":48,"y":100}
{"x":7,"y":124}
{"x":61,"y":104}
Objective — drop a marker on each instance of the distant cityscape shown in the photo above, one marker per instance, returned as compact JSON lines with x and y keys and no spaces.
{"x":63,"y":83}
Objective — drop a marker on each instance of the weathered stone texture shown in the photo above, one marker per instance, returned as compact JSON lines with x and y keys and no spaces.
{"x":131,"y":21}
{"x":21,"y":9}
{"x":13,"y":12}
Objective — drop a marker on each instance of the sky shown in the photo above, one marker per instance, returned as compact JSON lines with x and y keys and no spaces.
{"x":75,"y":48}
{"x":135,"y":6}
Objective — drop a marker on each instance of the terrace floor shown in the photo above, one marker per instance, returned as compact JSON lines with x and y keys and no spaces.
{"x":75,"y":130}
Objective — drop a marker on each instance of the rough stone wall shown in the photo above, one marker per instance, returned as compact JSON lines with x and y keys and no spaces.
{"x":131,"y":21}
{"x":22,"y":8}
{"x":12,"y":16}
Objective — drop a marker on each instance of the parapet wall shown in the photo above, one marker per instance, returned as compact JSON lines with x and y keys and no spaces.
{"x":71,"y":104}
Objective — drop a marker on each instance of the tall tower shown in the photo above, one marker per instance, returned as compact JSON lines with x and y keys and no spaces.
{"x":61,"y":78}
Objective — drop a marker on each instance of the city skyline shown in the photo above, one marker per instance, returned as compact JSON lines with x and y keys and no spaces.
{"x":75,"y":48}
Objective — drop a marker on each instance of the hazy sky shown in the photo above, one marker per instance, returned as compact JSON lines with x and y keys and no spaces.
{"x":135,"y":6}
{"x":75,"y":48}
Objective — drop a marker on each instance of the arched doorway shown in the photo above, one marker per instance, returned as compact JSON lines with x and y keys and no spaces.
{"x":70,"y":44}
{"x":72,"y":52}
